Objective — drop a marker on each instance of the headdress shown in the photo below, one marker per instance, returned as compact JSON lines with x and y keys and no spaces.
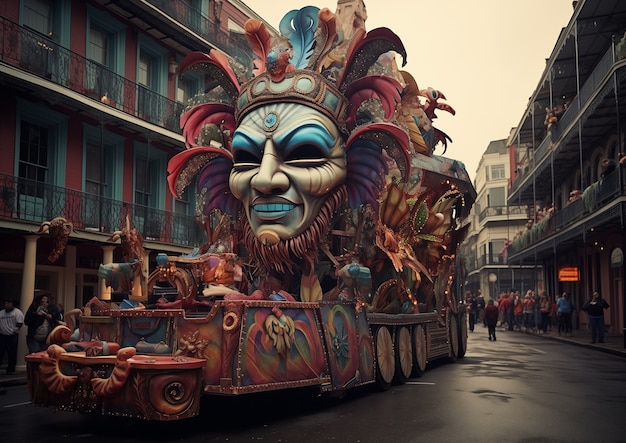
{"x":294,"y":67}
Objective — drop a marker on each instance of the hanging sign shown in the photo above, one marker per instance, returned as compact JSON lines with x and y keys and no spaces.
{"x":569,"y":274}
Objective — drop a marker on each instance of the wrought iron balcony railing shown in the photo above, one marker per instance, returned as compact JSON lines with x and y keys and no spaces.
{"x":32,"y":201}
{"x":500,"y":212}
{"x":594,"y":198}
{"x":594,"y":82}
{"x":196,"y":20}
{"x":37,"y":54}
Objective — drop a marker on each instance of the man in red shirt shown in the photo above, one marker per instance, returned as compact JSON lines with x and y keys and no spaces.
{"x":504,"y":308}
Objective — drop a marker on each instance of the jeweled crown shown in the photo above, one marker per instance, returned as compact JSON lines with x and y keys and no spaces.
{"x":304,"y":87}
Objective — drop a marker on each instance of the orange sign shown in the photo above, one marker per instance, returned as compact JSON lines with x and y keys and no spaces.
{"x":569,"y":274}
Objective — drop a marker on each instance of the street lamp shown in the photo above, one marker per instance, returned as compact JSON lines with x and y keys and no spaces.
{"x":493,"y":278}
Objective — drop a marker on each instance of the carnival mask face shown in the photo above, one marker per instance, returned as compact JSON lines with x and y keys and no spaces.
{"x":287,"y":160}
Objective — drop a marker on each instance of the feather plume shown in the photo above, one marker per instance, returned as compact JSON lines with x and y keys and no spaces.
{"x":187,"y":163}
{"x":382,"y":88}
{"x":364,"y":50}
{"x":214,"y":178}
{"x":299,"y":26}
{"x":260,"y":40}
{"x":194,"y":119}
{"x":325,"y":38}
{"x":216,"y":67}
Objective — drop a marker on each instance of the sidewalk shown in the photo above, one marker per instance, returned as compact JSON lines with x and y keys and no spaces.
{"x":17,"y":378}
{"x":614,"y":343}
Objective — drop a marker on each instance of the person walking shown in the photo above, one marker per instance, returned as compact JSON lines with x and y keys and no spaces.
{"x":480,"y":300}
{"x":594,"y":307}
{"x":564,"y":314}
{"x":491,"y":319}
{"x":11,"y":320}
{"x":473,"y":310}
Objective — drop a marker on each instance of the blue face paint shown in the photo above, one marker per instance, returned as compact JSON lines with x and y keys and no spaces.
{"x":288,"y":158}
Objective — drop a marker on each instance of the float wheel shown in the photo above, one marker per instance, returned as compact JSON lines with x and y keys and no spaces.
{"x":462,"y":335}
{"x":420,"y":350}
{"x":404,"y":354}
{"x":453,"y":336}
{"x":385,"y":360}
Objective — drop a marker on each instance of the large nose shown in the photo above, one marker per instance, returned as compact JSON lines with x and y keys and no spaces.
{"x":270,"y":179}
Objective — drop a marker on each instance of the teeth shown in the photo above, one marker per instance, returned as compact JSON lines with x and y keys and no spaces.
{"x":273,"y":207}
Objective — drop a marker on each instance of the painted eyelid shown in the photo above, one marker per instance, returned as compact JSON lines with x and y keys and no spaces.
{"x":243,"y":141}
{"x":307,"y":135}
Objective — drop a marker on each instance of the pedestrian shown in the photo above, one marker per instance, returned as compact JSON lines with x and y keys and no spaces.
{"x":537,"y":312}
{"x":11,"y":320}
{"x":473,"y":311}
{"x":529,"y":309}
{"x":552,"y":315}
{"x":504,"y":307}
{"x":491,"y":318}
{"x":544,"y":310}
{"x":595,"y":307}
{"x":518,"y":312}
{"x":510,"y":313}
{"x":41,"y":318}
{"x":564,"y":314}
{"x":480,"y":300}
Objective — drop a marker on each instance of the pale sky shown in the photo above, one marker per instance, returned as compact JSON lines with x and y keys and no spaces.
{"x":485,"y":56}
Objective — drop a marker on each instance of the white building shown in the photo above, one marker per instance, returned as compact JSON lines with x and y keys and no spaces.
{"x":493,"y":224}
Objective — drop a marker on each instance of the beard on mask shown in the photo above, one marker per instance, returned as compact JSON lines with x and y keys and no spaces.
{"x":298,"y":253}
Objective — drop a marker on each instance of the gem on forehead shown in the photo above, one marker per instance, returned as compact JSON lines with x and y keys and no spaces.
{"x":271,"y":121}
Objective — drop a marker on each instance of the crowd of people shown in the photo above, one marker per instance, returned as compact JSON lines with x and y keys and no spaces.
{"x":41,"y":318}
{"x":533,"y":312}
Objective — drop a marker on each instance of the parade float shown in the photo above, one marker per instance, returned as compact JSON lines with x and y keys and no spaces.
{"x":332,"y":229}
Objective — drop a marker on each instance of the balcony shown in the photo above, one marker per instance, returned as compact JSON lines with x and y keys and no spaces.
{"x":180,"y":24}
{"x":35,"y":53}
{"x":594,"y":198}
{"x":503,"y":213}
{"x":36,"y":202}
{"x":587,"y":99}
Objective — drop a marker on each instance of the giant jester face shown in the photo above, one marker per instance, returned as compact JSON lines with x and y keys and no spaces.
{"x":287,"y":160}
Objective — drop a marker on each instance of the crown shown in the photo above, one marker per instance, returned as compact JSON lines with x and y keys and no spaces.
{"x":304,"y":87}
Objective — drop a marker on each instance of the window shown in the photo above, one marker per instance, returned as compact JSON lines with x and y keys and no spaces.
{"x":142,"y":182}
{"x":496,"y":197}
{"x":98,"y":44}
{"x":95,"y":170}
{"x":36,"y":46}
{"x":38,"y":16}
{"x":33,"y":158}
{"x":145,"y":70}
{"x":151,"y":70}
{"x":495,"y":247}
{"x":497,"y":172}
{"x":38,"y":146}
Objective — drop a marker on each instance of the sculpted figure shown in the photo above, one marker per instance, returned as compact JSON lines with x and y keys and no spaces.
{"x":304,"y":149}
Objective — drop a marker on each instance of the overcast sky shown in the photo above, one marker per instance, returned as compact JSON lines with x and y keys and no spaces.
{"x":486,"y":56}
